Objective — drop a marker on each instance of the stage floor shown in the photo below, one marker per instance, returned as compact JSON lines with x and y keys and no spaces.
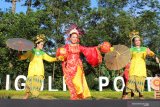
{"x":79,"y":103}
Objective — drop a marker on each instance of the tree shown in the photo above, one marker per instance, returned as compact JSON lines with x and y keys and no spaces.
{"x":13,"y":5}
{"x":34,"y":3}
{"x":121,"y":17}
{"x":111,"y":21}
{"x":18,"y":26}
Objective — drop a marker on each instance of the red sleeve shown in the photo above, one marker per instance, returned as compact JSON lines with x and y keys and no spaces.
{"x":92,"y":55}
{"x":126,"y":73}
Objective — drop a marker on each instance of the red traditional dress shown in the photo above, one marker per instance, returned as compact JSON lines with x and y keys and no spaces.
{"x":73,"y":69}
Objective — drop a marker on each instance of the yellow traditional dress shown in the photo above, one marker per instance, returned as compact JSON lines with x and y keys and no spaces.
{"x":137,"y":71}
{"x":36,"y":70}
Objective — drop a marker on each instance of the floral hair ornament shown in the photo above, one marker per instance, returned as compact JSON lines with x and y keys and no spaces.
{"x":74,"y":29}
{"x":40,"y":38}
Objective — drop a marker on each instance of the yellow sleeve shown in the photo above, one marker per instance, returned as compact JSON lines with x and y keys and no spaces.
{"x":25,"y":56}
{"x":49,"y":58}
{"x":151,"y":53}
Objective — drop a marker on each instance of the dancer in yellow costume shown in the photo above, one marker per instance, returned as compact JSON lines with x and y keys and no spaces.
{"x":36,"y":68}
{"x":137,"y":70}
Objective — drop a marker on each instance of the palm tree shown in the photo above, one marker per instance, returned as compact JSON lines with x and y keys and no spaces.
{"x":13,"y":5}
{"x":30,"y":3}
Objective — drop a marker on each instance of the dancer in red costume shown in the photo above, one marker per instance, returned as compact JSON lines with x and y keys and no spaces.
{"x":72,"y":66}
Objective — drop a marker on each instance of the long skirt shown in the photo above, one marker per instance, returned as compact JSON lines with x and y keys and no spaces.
{"x":136,"y":84}
{"x":77,"y":86}
{"x":33,"y":85}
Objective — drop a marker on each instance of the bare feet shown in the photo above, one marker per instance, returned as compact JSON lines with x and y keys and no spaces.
{"x":124,"y":97}
{"x":141,"y":97}
{"x":26,"y":96}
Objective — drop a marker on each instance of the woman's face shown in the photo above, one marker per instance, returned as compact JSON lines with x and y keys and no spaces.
{"x":74,"y":38}
{"x":137,"y":41}
{"x":40,"y":45}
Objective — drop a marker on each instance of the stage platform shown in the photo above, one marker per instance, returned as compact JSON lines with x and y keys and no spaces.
{"x":79,"y":103}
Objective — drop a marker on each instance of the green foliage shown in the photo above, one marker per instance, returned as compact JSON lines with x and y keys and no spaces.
{"x":111,"y":21}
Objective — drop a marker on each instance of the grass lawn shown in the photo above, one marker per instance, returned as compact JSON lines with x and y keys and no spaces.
{"x":106,"y":94}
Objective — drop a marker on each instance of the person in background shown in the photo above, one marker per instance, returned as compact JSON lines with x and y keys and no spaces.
{"x":126,"y":77}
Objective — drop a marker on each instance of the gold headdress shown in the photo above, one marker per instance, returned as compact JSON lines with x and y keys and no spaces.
{"x":40,"y":38}
{"x":133,"y":34}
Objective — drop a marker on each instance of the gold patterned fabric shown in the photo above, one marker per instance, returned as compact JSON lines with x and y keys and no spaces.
{"x":33,"y":85}
{"x":136,"y":83}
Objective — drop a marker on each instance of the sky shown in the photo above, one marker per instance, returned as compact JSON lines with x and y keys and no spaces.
{"x":5,"y":5}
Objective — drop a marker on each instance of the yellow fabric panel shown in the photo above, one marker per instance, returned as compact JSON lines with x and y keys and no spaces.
{"x":36,"y":66}
{"x":80,"y":83}
{"x":138,"y":64}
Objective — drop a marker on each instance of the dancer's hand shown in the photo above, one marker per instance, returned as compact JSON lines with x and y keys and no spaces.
{"x":60,"y":58}
{"x":157,"y":60}
{"x":148,"y":51}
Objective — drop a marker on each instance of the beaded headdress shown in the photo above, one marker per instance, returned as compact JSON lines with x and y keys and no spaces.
{"x":133,"y":34}
{"x":40,"y":38}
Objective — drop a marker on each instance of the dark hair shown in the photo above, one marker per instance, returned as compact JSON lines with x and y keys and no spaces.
{"x":133,"y":40}
{"x":72,"y":34}
{"x":39,"y":43}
